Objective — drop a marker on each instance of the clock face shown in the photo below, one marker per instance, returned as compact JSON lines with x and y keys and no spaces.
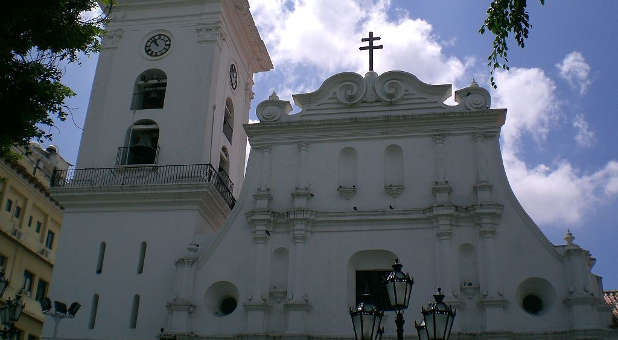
{"x":158,"y":45}
{"x":233,"y":77}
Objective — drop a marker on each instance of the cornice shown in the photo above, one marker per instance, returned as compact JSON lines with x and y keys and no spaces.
{"x":370,"y":127}
{"x":191,"y":196}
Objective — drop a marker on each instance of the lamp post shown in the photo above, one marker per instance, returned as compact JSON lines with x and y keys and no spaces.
{"x":60,"y":312}
{"x":366,"y":320}
{"x":10,"y":312}
{"x":399,"y":289}
{"x":438,"y":317}
{"x":4,"y":282}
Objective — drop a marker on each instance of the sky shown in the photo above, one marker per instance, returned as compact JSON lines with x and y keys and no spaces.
{"x":559,"y":140}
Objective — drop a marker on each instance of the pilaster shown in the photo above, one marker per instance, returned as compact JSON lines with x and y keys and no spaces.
{"x":298,"y":301}
{"x":181,"y":307}
{"x":257,"y":306}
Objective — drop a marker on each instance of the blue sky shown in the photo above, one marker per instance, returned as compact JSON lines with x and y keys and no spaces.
{"x":559,"y":141}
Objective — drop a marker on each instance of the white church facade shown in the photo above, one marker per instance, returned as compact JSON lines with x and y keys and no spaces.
{"x":163,"y":237}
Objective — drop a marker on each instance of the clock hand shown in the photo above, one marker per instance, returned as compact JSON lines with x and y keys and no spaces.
{"x":156,"y":42}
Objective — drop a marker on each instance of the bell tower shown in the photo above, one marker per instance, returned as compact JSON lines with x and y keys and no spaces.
{"x":173,"y":86}
{"x":161,"y":160}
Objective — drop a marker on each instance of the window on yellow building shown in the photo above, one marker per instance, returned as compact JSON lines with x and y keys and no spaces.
{"x":41,"y":290}
{"x":27,"y":285}
{"x":38,"y":226}
{"x":30,"y":221}
{"x":17,"y":211}
{"x":9,"y":205}
{"x":3,"y":263}
{"x":49,"y":241}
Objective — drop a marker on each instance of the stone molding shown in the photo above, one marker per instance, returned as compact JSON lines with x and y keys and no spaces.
{"x":400,"y":91}
{"x":393,"y":190}
{"x":347,"y":192}
{"x":180,"y":305}
{"x":210,"y":32}
{"x":112,"y":38}
{"x":370,"y":127}
{"x":203,"y":197}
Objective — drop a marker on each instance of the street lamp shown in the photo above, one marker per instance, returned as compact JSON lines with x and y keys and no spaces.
{"x":10,"y":312}
{"x":399,"y":288}
{"x":438,"y":319}
{"x":60,"y":312}
{"x":4,"y":282}
{"x":366,"y":320}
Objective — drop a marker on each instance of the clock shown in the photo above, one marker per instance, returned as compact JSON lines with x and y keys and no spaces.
{"x":233,"y":77}
{"x":157,"y":45}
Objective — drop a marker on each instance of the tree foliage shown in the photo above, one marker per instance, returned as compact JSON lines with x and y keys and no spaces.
{"x":503,"y":18}
{"x":37,"y":37}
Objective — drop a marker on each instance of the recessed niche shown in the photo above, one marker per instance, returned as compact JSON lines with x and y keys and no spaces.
{"x":536,"y":296}
{"x":221,"y":298}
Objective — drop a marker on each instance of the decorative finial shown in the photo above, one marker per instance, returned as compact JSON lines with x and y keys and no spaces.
{"x":371,"y":47}
{"x":274,"y":96}
{"x":569,"y":237}
{"x":474,"y":83}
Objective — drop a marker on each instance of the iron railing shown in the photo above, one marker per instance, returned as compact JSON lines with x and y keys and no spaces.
{"x":226,"y":179}
{"x":99,"y":178}
{"x":137,"y":154}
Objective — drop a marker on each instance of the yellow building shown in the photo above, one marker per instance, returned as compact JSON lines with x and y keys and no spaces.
{"x":30,"y":221}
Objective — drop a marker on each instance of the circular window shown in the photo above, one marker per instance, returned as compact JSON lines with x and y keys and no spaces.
{"x":221,"y":298}
{"x":227,"y":305}
{"x":536,"y":296}
{"x":532,"y":304}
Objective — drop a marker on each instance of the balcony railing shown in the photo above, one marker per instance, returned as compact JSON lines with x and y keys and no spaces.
{"x":226,"y":179}
{"x":99,"y":178}
{"x":137,"y":154}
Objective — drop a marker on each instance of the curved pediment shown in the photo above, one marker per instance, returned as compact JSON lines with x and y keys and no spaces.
{"x":394,"y":92}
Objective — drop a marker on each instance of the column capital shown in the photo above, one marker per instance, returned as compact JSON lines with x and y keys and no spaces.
{"x":439,"y":138}
{"x":112,"y":38}
{"x":302,"y":146}
{"x":210,"y":32}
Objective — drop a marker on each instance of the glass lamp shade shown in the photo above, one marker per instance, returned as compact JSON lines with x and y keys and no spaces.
{"x":399,"y":287}
{"x":421,"y":330}
{"x":439,"y":318}
{"x":74,"y":308}
{"x":60,"y":307}
{"x":366,"y":320}
{"x":17,"y":308}
{"x":4,"y":282}
{"x":45,"y":304}
{"x":4,"y":314}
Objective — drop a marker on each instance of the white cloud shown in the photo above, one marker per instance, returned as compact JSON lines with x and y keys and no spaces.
{"x":551,"y":194}
{"x":529,"y":96}
{"x":576,"y":71}
{"x":302,"y":33}
{"x":584,"y":137}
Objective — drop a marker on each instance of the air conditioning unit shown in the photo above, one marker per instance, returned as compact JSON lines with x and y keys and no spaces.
{"x":16,"y":233}
{"x":44,"y":251}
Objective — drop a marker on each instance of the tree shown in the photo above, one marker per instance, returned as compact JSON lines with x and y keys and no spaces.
{"x":37,"y":36}
{"x":505,"y":17}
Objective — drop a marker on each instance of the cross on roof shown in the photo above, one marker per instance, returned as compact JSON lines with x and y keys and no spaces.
{"x":371,"y":47}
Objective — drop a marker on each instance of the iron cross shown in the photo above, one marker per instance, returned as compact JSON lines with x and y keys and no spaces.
{"x":370,"y":48}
